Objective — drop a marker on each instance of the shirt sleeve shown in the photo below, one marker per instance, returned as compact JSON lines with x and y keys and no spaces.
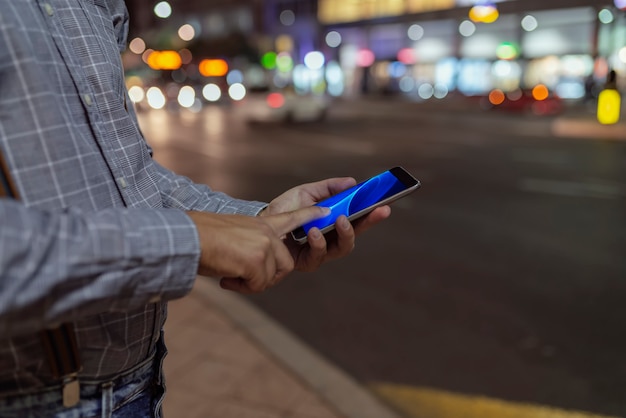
{"x":56,"y":267}
{"x":181,"y":193}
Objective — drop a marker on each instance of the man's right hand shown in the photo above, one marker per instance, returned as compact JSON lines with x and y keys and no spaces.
{"x":248,"y":252}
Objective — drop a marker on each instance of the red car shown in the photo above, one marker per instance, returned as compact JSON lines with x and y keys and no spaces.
{"x":538,"y":101}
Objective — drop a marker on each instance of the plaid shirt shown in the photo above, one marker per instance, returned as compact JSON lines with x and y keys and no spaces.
{"x":100,"y":237}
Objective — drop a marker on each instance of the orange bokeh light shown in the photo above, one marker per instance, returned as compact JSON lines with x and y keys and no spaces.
{"x":213,"y":67}
{"x":540,"y":92}
{"x":164,"y":60}
{"x":496,"y":97}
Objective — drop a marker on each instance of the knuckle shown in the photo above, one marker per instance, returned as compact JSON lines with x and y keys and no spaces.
{"x":262,"y":250}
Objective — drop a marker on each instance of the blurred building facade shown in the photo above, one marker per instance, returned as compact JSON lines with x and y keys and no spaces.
{"x":418,"y":48}
{"x":391,"y":46}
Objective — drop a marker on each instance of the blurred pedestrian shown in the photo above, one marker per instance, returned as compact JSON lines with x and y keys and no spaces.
{"x":611,"y":80}
{"x":96,"y":237}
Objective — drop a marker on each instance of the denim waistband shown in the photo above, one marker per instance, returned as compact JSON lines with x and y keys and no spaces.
{"x":139,"y":377}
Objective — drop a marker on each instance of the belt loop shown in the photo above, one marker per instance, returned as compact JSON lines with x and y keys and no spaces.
{"x":71,"y":391}
{"x":107,"y":400}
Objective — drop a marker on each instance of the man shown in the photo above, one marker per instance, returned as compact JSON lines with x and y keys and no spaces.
{"x":98,"y":237}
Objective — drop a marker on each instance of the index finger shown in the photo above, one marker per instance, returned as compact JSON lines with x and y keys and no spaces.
{"x":284,"y":223}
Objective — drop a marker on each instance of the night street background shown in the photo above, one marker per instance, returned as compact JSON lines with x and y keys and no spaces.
{"x":503,"y":276}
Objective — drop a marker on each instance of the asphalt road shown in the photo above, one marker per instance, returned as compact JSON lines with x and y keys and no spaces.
{"x":504,"y":276}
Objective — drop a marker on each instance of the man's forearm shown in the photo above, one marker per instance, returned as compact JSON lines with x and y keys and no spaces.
{"x":61,"y":266}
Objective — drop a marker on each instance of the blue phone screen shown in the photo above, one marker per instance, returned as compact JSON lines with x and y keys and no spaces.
{"x":357,"y":198}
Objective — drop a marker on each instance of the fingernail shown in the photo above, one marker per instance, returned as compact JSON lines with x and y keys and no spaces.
{"x":327,"y":211}
{"x":315,"y":234}
{"x":344,"y":223}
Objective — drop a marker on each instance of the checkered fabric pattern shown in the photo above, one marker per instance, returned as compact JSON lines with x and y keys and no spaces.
{"x":100,"y":237}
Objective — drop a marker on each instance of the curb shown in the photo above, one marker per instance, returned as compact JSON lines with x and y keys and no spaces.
{"x":332,"y":384}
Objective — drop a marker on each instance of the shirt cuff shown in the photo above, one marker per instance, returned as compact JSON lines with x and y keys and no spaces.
{"x":169,"y":247}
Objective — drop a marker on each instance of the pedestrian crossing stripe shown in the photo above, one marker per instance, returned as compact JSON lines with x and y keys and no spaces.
{"x":419,"y":402}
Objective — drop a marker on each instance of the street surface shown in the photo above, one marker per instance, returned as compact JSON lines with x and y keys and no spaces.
{"x":502,"y":279}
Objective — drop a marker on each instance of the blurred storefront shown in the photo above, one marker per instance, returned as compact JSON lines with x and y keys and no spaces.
{"x":430,"y":48}
{"x":420,"y":49}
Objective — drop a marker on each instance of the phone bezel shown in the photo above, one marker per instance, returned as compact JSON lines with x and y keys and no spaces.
{"x":408,"y":181}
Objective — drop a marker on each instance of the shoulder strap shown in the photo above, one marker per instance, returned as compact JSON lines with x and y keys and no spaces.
{"x":59,"y":343}
{"x":7,"y":188}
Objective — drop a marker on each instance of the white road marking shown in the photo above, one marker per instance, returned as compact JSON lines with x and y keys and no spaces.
{"x":573,"y":189}
{"x":542,"y":157}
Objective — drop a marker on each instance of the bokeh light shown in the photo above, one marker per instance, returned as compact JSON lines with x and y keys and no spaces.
{"x":334,"y":73}
{"x":165,"y":60}
{"x":163,"y":10}
{"x":496,"y":97}
{"x":284,"y":43}
{"x":407,"y":84}
{"x":284,"y":62}
{"x":441,"y":91}
{"x":186,"y":32}
{"x":275,"y":100}
{"x":507,"y":51}
{"x":426,"y":91}
{"x":212,"y":92}
{"x":314,"y":60}
{"x":467,"y":28}
{"x":365,"y":58}
{"x":606,"y":16}
{"x":213,"y":67}
{"x":622,"y":54}
{"x":287,"y":17}
{"x":396,"y":69}
{"x":484,"y":13}
{"x":407,"y":56}
{"x":501,"y":68}
{"x":333,"y":39}
{"x":146,"y":54}
{"x":137,"y":46}
{"x":185,"y":55}
{"x":237,"y":92}
{"x":136,"y":94}
{"x":156,"y":98}
{"x":529,"y":23}
{"x":515,"y":95}
{"x":234,"y":77}
{"x":268,"y":60}
{"x":186,"y":97}
{"x":540,"y":92}
{"x":415,"y":32}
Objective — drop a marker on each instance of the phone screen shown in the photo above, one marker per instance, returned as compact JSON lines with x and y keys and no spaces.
{"x":361,"y":197}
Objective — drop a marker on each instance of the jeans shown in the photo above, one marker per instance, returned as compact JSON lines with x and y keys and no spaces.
{"x":137,"y":393}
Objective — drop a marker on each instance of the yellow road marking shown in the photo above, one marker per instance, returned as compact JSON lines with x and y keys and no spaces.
{"x":417,"y":402}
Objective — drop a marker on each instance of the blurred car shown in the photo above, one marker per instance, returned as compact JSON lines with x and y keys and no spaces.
{"x":283,"y":106}
{"x":542,"y":102}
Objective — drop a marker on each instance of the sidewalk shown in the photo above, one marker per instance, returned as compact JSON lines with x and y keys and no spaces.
{"x":576,"y":120}
{"x":227,"y":359}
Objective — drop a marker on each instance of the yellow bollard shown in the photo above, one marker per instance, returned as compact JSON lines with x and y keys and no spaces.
{"x":609,"y":107}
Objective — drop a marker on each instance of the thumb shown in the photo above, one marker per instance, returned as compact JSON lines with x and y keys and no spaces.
{"x":284,"y":223}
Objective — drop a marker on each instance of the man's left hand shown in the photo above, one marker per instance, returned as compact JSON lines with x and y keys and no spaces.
{"x":320,"y":248}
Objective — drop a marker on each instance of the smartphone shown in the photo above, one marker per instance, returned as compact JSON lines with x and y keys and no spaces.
{"x":361,"y":199}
